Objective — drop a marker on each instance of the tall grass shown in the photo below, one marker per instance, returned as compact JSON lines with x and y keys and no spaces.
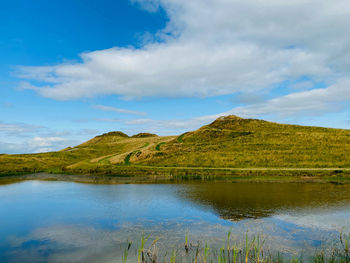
{"x":251,"y":250}
{"x":126,"y":252}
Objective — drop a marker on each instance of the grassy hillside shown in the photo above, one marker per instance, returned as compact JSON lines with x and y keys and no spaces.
{"x":110,"y":149}
{"x":227,"y":142}
{"x":235,"y":142}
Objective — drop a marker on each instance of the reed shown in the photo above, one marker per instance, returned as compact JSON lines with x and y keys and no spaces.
{"x":126,"y":252}
{"x":252,"y":250}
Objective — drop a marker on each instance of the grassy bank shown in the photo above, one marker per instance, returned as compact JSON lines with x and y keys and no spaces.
{"x":135,"y":174}
{"x":248,"y":250}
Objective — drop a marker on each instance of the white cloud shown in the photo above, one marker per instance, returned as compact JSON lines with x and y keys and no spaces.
{"x":18,"y":128}
{"x":213,"y":48}
{"x":45,"y":141}
{"x":10,"y":148}
{"x":310,"y":102}
{"x":176,"y":70}
{"x":29,"y":138}
{"x":36,"y":145}
{"x":118,"y":110}
{"x":219,"y":47}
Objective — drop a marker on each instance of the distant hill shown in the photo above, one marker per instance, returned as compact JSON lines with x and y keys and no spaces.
{"x":228,"y":142}
{"x":144,"y":135}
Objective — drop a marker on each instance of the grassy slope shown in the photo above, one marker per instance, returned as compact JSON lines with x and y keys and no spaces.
{"x":106,"y":150}
{"x":236,"y":142}
{"x":227,"y":142}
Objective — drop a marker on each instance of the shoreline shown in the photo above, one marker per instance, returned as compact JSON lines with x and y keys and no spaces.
{"x":179,"y":174}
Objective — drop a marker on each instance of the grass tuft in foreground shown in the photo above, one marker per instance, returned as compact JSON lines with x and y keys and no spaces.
{"x":252,"y":250}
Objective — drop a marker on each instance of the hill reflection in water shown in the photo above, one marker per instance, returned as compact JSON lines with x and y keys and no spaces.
{"x":237,"y":201}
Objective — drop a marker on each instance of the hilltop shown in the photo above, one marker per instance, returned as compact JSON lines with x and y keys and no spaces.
{"x":229,"y":142}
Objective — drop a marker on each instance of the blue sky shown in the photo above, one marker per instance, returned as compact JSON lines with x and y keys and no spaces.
{"x":70,"y":70}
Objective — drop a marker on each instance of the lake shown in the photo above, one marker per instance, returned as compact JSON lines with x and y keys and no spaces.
{"x":50,"y":221}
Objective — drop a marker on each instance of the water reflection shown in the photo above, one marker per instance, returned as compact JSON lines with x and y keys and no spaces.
{"x":69,"y":222}
{"x":237,"y":201}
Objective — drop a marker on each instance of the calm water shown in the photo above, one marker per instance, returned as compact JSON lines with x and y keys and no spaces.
{"x":70,"y":222}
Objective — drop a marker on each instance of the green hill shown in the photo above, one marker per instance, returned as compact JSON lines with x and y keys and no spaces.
{"x":228,"y":142}
{"x":235,"y":142}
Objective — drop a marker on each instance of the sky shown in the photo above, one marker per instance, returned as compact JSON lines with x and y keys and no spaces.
{"x":73,"y":69}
